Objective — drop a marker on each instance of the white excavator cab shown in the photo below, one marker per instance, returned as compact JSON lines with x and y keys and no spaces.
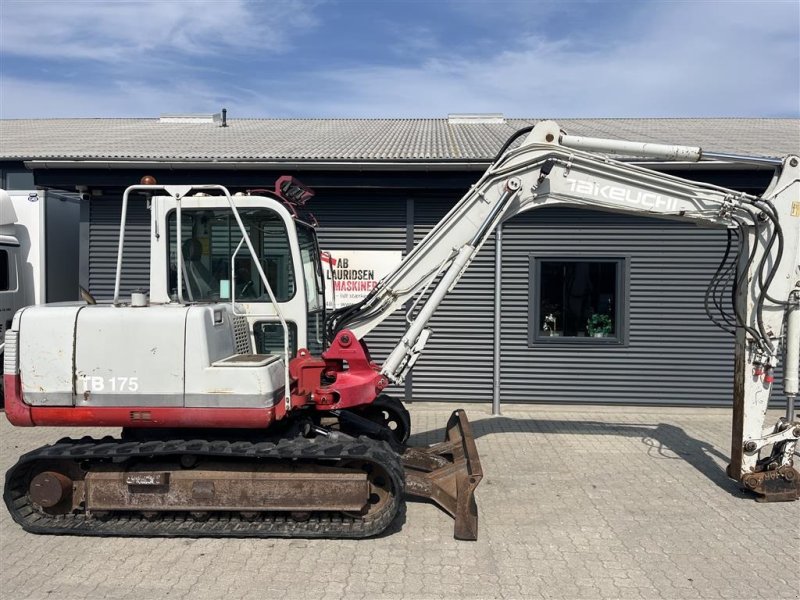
{"x":217,"y":265}
{"x":235,"y":290}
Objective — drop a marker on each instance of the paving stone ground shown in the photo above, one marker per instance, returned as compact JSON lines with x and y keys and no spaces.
{"x":577,"y":502}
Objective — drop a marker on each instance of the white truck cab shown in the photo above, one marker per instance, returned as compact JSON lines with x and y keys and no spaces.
{"x":11,"y":293}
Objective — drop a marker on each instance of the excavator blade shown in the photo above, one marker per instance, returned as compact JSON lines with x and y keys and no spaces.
{"x":447,"y":473}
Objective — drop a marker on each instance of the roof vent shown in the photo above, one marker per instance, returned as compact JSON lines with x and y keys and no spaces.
{"x":213,"y":119}
{"x":476,"y":119}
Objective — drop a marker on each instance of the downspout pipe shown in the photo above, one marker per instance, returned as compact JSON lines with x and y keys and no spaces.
{"x":498,"y":283}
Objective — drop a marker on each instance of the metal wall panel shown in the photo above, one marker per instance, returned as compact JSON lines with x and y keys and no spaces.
{"x":457,"y":362}
{"x":673,"y":355}
{"x":104,"y":220}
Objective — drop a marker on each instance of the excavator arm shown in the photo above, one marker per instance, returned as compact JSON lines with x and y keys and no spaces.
{"x":552,"y":168}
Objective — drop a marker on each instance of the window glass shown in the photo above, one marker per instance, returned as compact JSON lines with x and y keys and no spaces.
{"x":209,"y":239}
{"x":312,"y":268}
{"x":19,"y":180}
{"x":577,"y":299}
{"x":315,"y":333}
{"x":4,"y":271}
{"x":269,"y":337}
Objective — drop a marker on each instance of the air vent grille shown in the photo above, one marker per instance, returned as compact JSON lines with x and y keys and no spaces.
{"x":241,"y":335}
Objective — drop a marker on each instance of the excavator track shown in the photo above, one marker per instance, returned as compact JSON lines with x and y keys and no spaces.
{"x":70,"y":466}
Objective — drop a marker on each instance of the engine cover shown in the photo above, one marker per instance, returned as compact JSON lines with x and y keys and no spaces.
{"x":168,"y":355}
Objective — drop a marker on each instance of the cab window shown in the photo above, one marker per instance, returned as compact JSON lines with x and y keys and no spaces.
{"x":312,"y":268}
{"x":209,"y":239}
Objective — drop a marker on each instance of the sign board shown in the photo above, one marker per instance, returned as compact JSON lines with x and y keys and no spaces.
{"x":351,"y":274}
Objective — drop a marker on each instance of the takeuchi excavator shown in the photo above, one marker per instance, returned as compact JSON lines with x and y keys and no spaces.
{"x":247,"y":409}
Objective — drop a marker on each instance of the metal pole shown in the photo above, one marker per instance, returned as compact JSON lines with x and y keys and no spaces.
{"x":408,"y":390}
{"x":498,"y":279}
{"x":121,"y":245}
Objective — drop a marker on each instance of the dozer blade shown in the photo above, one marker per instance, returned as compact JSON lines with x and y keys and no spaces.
{"x":448,"y":473}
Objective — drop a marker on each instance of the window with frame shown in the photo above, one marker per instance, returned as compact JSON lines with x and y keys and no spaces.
{"x":269,"y":337}
{"x":209,"y":239}
{"x":578,"y":300}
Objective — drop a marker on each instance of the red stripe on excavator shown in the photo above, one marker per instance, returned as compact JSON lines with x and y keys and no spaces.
{"x":17,"y":412}
{"x":149,"y":416}
{"x":24,"y":415}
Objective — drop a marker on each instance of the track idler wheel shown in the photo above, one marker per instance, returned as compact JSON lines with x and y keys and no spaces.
{"x":380,"y":490}
{"x":390,"y":413}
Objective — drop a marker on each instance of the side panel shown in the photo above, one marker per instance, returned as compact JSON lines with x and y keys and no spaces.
{"x":129,"y":356}
{"x":46,"y":354}
{"x":212,"y":385}
{"x":29,"y":207}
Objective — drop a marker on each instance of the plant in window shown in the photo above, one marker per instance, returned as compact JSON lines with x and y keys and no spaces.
{"x":599,"y":325}
{"x":550,"y":325}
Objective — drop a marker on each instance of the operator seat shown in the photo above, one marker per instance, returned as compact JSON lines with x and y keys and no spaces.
{"x":198,"y":278}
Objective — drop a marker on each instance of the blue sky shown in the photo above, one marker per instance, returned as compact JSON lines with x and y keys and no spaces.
{"x":360,"y":58}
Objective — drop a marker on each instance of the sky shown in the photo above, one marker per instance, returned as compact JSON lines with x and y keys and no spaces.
{"x":395,"y":59}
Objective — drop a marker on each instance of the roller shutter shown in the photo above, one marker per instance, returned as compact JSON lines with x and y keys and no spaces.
{"x":457,"y":362}
{"x":104,"y":221}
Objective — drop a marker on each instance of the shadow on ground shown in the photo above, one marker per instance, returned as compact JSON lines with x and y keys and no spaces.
{"x":663,"y":441}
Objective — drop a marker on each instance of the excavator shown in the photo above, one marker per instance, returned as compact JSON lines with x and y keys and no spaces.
{"x":248,"y":410}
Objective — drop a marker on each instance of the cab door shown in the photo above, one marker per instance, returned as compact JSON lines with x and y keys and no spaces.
{"x":217,"y":267}
{"x":10,"y":297}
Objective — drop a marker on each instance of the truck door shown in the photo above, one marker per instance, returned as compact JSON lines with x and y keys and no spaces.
{"x":9,"y":288}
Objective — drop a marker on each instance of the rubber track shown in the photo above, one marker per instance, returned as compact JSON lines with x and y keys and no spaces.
{"x":221,"y":524}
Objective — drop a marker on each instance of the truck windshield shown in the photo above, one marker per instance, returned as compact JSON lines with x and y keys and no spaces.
{"x":209,"y":238}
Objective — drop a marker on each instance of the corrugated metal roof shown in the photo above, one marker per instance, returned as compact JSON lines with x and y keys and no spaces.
{"x":358,"y":139}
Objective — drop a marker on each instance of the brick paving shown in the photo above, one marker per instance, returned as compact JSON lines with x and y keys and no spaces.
{"x":577,"y":502}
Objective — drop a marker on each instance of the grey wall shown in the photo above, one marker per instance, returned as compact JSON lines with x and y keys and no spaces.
{"x":457,"y":362}
{"x":673,"y":354}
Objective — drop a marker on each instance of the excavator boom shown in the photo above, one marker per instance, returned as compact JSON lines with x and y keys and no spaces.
{"x":552,"y":168}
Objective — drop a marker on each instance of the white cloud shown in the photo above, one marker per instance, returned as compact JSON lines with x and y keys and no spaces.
{"x":136,"y":58}
{"x":132,"y":30}
{"x":20,"y":98}
{"x":669,"y":59}
{"x":675,"y":59}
